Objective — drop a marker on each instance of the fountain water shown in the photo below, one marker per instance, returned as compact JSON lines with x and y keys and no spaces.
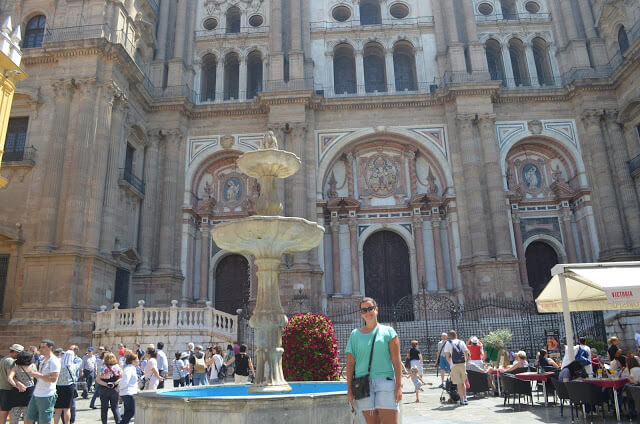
{"x":271,"y":399}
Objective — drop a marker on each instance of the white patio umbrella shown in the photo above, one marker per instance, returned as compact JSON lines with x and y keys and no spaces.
{"x":590,"y":287}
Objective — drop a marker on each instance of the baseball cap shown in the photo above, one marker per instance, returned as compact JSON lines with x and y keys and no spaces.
{"x":90,"y":349}
{"x":16,"y":347}
{"x":184,"y":355}
{"x":199,"y":347}
{"x":58,"y":351}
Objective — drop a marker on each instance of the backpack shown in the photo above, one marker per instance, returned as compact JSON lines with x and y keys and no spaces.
{"x":457,"y":353}
{"x":199,"y":366}
{"x":582,"y":357}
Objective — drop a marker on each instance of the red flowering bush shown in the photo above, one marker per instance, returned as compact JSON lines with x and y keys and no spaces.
{"x":310,"y":349}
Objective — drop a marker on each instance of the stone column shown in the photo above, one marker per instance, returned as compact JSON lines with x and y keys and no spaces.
{"x":100,"y":173}
{"x":163,"y":24}
{"x":360,"y":72}
{"x":391,"y":75}
{"x":348,"y":162}
{"x":54,"y":165}
{"x":569,"y":21}
{"x":623,"y":180}
{"x":205,"y":241}
{"x":148,"y":218}
{"x":495,"y":187}
{"x":112,"y":189}
{"x":276,"y":58}
{"x":413,"y":176}
{"x":612,"y":237}
{"x":297,"y":184}
{"x":450,"y":23}
{"x":506,"y":63}
{"x":522,"y":260}
{"x":181,"y":23}
{"x":419,"y":245}
{"x":353,"y":250}
{"x":335,"y":253}
{"x":531,"y":65}
{"x":570,"y":244}
{"x":220,"y":79}
{"x":77,"y":163}
{"x":169,"y":212}
{"x":242,"y":95}
{"x":473,"y":188}
{"x":330,"y":83}
{"x":587,"y":19}
{"x":437,"y":248}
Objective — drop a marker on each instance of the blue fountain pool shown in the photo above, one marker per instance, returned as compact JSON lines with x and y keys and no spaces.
{"x":235,"y":391}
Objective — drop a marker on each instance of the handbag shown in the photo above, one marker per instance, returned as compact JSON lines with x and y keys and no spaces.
{"x":360,"y":385}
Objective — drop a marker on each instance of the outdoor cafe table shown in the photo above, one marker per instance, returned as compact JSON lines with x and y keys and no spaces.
{"x":610,"y":383}
{"x":497,"y":372}
{"x":534,"y":376}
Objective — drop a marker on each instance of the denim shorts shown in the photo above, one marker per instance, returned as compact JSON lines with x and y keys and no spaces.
{"x":382,"y":396}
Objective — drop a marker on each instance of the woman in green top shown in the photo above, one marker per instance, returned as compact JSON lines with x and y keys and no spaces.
{"x":386,"y":367}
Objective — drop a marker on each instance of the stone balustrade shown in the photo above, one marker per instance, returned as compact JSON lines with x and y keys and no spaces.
{"x":175,"y":326}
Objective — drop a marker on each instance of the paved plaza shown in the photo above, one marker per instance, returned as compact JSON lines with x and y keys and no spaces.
{"x":429,"y":410}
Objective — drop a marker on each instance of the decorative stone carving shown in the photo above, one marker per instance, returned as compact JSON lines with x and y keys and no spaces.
{"x":332,"y":193}
{"x":227,"y":141}
{"x":269,"y":141}
{"x":535,"y":127}
{"x":381,"y":175}
{"x":433,"y":187}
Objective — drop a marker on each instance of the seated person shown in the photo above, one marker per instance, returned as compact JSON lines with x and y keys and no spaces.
{"x":545,"y":361}
{"x":595,"y":361}
{"x":621,"y":370}
{"x":520,"y":362}
{"x":574,"y":371}
{"x":634,"y":370}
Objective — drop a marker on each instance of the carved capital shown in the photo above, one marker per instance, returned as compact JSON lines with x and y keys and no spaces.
{"x":487,"y":122}
{"x":411,"y":154}
{"x":63,"y":89}
{"x":86,"y":89}
{"x":349,"y":157}
{"x":417,"y":221}
{"x":299,"y":132}
{"x":611,"y":116}
{"x":435,"y":222}
{"x":464,"y":121}
{"x":592,"y":117}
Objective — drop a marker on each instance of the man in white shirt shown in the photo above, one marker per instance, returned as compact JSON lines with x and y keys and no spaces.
{"x":457,"y":355}
{"x":163,"y":364}
{"x":638,"y":339}
{"x":88,"y":371}
{"x":44,"y":396}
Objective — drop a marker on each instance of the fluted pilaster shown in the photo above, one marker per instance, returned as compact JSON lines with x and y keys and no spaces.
{"x":335,"y":253}
{"x":353,"y":250}
{"x":149,"y":204}
{"x":169,"y":212}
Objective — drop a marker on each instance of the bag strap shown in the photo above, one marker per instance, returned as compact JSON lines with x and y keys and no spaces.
{"x":373,"y":344}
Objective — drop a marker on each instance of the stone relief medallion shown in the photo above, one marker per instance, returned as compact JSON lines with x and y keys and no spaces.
{"x":531,"y":176}
{"x":232,"y":190}
{"x":535,"y":127}
{"x":381,"y":176}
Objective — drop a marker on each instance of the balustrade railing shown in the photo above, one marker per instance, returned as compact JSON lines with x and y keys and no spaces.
{"x":172,"y":318}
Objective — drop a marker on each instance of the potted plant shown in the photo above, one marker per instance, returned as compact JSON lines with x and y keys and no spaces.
{"x":498,"y":340}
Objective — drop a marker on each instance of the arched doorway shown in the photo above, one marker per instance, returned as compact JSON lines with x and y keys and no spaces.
{"x":540,"y":258}
{"x":387,"y":271}
{"x":232,"y":283}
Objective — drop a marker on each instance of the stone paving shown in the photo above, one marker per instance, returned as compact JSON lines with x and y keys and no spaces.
{"x":489,"y":410}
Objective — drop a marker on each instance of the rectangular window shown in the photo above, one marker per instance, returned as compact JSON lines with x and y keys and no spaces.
{"x":121,"y":292}
{"x":16,"y":139}
{"x":4,"y":270}
{"x":128,"y":160}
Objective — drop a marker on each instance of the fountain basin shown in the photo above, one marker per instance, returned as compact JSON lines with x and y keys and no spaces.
{"x":312,"y":402}
{"x":269,"y":162}
{"x":268,"y":236}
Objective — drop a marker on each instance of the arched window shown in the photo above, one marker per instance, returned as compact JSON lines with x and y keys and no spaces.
{"x":208,"y":78}
{"x":35,"y":32}
{"x":518,"y":62}
{"x":254,"y":74}
{"x":233,"y":20}
{"x":344,"y":69}
{"x":231,"y":76}
{"x":370,"y":12}
{"x":374,"y":68}
{"x":543,"y":64}
{"x":404,"y":67}
{"x":623,"y":40}
{"x":509,"y":10}
{"x":232,"y":285}
{"x":494,"y":60}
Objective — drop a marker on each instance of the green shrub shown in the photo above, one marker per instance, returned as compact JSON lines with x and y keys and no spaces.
{"x":310,"y":349}
{"x":498,"y":339}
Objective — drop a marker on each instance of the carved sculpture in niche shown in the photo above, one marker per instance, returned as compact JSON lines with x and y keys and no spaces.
{"x":232,"y":190}
{"x":531,"y":176}
{"x":332,"y":192}
{"x":433,"y":187}
{"x":381,"y":176}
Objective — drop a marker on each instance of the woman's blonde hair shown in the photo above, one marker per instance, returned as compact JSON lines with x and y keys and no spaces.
{"x":522,"y":354}
{"x":110,"y":359}
{"x":414,"y":343}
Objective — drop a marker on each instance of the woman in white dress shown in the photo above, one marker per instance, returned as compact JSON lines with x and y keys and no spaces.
{"x":151,"y":374}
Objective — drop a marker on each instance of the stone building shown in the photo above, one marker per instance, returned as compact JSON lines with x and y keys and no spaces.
{"x":460,"y":147}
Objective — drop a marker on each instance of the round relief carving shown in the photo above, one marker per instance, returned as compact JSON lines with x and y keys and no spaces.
{"x":227,"y":142}
{"x":232,"y":191}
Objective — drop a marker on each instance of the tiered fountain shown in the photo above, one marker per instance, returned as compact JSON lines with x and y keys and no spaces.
{"x":271,"y":399}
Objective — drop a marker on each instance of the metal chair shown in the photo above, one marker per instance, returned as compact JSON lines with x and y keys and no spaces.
{"x":563,"y":394}
{"x":582,"y":394}
{"x":478,"y":382}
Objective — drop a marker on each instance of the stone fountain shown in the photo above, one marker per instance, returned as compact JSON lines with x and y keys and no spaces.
{"x":267,"y":236}
{"x":271,"y":399}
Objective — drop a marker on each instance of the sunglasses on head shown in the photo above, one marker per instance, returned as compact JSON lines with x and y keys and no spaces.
{"x":368,"y":309}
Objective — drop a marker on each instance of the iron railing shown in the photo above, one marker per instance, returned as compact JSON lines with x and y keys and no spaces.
{"x":28,"y":154}
{"x":514,"y":17}
{"x":135,"y":182}
{"x":221,"y":32}
{"x":634,"y":166}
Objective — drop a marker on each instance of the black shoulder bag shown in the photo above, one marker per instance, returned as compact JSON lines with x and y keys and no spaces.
{"x":360,"y":386}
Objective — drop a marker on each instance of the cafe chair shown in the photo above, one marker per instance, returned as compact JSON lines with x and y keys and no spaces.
{"x":634,"y":393}
{"x":514,"y":387}
{"x":521,"y":370}
{"x":582,"y":393}
{"x":563,"y":394}
{"x":478,"y":382}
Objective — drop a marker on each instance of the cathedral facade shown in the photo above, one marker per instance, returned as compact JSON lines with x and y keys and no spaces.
{"x":459,"y":147}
